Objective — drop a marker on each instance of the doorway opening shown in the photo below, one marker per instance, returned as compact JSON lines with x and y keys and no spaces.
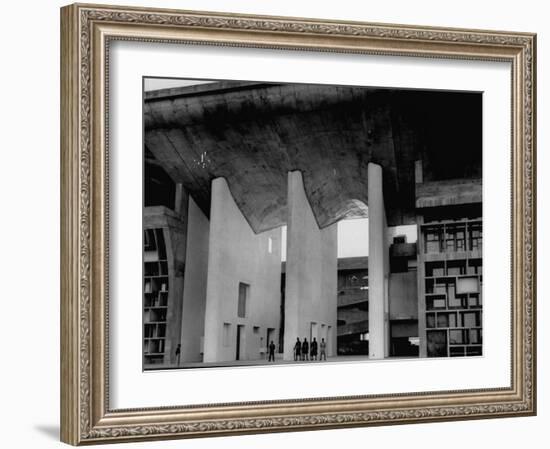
{"x":239,"y":345}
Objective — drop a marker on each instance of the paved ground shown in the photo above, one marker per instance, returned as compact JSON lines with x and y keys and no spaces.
{"x":278,"y":361}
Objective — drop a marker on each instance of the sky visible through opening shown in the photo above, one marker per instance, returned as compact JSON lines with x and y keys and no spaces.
{"x":353,"y":237}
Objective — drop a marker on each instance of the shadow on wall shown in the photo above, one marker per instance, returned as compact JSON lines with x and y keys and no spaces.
{"x":51,"y":431}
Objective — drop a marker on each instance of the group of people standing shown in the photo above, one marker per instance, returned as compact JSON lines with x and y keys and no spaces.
{"x":306,"y":351}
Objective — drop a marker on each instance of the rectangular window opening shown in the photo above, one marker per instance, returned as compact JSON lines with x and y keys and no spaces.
{"x":244,"y":290}
{"x":226,"y":333}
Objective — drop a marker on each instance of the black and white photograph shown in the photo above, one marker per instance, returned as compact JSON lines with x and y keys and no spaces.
{"x":308,"y":223}
{"x":260,"y":224}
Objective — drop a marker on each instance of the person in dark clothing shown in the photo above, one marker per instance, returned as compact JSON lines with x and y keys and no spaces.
{"x":297,"y":349}
{"x":271,"y":352}
{"x":313,"y":352}
{"x":305,"y":350}
{"x":323,"y":350}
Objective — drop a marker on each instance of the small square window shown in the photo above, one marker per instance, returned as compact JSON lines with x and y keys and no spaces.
{"x":467,"y":285}
{"x":470,"y":319}
{"x":226,"y":333}
{"x":457,"y":337}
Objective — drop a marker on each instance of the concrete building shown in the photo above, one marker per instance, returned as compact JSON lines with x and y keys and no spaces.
{"x":353,"y":302}
{"x":450,"y":262}
{"x":227,"y":164}
{"x":242,"y":295}
{"x":353,"y":306}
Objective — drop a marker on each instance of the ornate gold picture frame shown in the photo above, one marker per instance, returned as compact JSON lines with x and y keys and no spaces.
{"x":87,"y":32}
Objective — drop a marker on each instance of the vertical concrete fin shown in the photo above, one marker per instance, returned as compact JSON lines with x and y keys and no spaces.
{"x":242,"y":266}
{"x":194,"y":289}
{"x":311,"y":273}
{"x":378,"y":267}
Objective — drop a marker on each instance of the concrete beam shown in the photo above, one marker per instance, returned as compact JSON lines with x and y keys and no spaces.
{"x":449,"y":193}
{"x":252,"y":134}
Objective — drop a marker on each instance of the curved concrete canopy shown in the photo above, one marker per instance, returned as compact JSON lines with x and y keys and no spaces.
{"x":253,"y":134}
